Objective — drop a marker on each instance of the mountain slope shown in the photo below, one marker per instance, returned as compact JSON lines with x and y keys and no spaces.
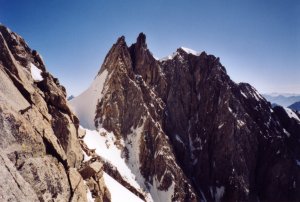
{"x":295,"y":106}
{"x":189,"y":132}
{"x":158,"y":173}
{"x":39,"y":147}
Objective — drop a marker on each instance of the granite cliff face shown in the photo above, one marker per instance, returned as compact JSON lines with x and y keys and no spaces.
{"x":189,"y":132}
{"x":39,"y":146}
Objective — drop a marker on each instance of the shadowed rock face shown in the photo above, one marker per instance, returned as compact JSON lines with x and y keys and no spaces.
{"x":129,"y":104}
{"x":211,"y":138}
{"x":38,"y":133}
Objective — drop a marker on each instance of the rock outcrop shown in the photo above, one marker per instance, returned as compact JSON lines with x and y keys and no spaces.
{"x":39,"y":146}
{"x":189,"y":132}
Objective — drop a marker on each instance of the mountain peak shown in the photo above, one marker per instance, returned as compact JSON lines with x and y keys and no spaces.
{"x":179,"y":115}
{"x":118,"y":50}
{"x":121,"y":40}
{"x":141,"y":40}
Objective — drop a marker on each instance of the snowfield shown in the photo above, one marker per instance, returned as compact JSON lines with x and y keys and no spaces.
{"x":84,"y":105}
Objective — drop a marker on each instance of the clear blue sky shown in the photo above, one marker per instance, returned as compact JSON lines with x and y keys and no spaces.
{"x":257,"y":41}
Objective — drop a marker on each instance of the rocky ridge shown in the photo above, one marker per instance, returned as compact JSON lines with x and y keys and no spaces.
{"x":147,"y":147}
{"x":41,"y":155}
{"x":192,"y":134}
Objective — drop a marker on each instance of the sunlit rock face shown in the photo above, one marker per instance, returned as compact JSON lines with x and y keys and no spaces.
{"x":39,"y":148}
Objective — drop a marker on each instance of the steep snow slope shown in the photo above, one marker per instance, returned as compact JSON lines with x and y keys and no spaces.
{"x":118,"y":192}
{"x":291,"y":114}
{"x":171,"y":56}
{"x":104,"y":143}
{"x":84,"y":105}
{"x":106,"y":147}
{"x":190,"y":51}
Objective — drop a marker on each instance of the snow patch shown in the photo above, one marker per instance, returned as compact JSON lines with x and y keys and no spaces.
{"x":89,"y":196}
{"x":133,"y":143}
{"x":243,"y":94}
{"x":177,"y":137}
{"x":36,"y":73}
{"x":203,"y":196}
{"x":187,"y":50}
{"x":291,"y":114}
{"x":190,"y":51}
{"x":88,"y":193}
{"x":104,"y":144}
{"x":231,"y":111}
{"x":169,"y":57}
{"x":159,"y":195}
{"x":85,"y":156}
{"x":7,"y":29}
{"x":219,"y":193}
{"x":240,"y":123}
{"x":198,"y":96}
{"x":13,"y":37}
{"x":84,"y":105}
{"x":118,"y":192}
{"x":257,"y":96}
{"x":286,"y":132}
